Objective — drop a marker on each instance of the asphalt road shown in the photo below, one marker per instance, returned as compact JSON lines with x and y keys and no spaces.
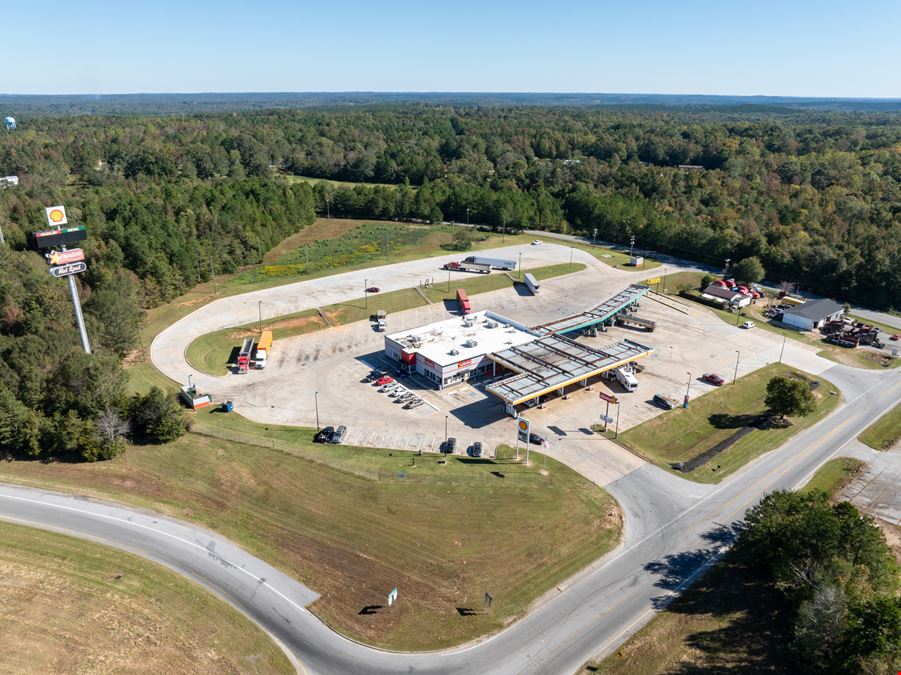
{"x":675,"y":530}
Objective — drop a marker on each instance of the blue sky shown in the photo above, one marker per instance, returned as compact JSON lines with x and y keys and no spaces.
{"x":793,"y":47}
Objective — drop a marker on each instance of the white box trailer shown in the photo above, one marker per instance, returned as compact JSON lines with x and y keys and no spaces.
{"x":625,"y":375}
{"x":496,"y":263}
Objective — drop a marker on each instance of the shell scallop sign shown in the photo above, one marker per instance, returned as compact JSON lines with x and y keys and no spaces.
{"x":56,"y":216}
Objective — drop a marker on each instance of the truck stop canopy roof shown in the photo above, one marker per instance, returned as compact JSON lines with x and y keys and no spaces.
{"x":625,"y":298}
{"x":553,"y":361}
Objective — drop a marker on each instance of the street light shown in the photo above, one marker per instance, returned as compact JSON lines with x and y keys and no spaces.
{"x":687,"y":388}
{"x":737,"y":357}
{"x":782,"y":351}
{"x":521,"y":273}
{"x":316,"y":401}
{"x":594,"y":237}
{"x":726,"y":270}
{"x":631,"y":244}
{"x":570,"y":257}
{"x":366,"y":292}
{"x":328,"y":213}
{"x":260,"y":308}
{"x":467,"y":216}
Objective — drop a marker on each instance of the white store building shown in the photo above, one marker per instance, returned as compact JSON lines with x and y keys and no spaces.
{"x":454,"y":350}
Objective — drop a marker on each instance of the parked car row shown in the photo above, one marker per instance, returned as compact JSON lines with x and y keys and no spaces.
{"x":395,"y":390}
{"x":331,"y":435}
{"x":449,"y":446}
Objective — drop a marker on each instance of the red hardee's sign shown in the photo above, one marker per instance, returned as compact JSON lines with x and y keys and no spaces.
{"x":464,"y":363}
{"x":65,"y":257}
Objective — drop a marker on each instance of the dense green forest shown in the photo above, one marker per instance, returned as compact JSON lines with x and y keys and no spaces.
{"x":169,"y":200}
{"x":813,"y":194}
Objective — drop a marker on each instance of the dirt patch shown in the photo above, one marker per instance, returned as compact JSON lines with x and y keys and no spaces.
{"x":892,"y":536}
{"x":322,"y":228}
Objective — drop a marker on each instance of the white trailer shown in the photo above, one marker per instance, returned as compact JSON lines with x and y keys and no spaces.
{"x":532,"y":283}
{"x":626,"y":377}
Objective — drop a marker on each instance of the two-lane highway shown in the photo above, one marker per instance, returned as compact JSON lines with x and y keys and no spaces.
{"x":598,"y":610}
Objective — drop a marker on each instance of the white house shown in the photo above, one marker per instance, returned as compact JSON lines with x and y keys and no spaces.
{"x":726,"y":296}
{"x":812,"y":314}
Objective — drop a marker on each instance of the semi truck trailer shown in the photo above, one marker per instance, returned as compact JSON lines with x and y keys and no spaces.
{"x":496,"y":263}
{"x":478,"y":268}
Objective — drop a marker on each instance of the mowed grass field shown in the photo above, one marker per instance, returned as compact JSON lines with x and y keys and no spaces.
{"x":212,"y":353}
{"x":353,"y":523}
{"x":885,"y":432}
{"x":681,"y":434}
{"x":71,"y":606}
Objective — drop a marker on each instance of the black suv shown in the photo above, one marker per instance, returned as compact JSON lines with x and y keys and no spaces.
{"x":324,"y":436}
{"x":449,"y":446}
{"x":476,"y":449}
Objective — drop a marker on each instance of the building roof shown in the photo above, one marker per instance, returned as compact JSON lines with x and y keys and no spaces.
{"x":554,"y":361}
{"x":466,"y":337}
{"x":816,"y":310}
{"x":625,"y":298}
{"x":718,"y":291}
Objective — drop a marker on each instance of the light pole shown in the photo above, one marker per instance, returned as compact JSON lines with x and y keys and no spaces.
{"x":737,"y":357}
{"x":448,"y":281}
{"x":521,"y":273}
{"x":782,"y":351}
{"x":687,"y":388}
{"x":570,"y":257}
{"x":467,"y":216}
{"x":316,"y":402}
{"x":366,"y":291}
{"x":328,"y":212}
{"x":445,"y":437}
{"x":260,"y":309}
{"x":631,"y":245}
{"x":726,"y":269}
{"x":738,"y":318}
{"x":189,"y":380}
{"x":594,"y":237}
{"x":503,"y":229}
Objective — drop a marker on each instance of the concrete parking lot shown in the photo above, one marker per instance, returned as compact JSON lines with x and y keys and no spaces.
{"x":326,"y":367}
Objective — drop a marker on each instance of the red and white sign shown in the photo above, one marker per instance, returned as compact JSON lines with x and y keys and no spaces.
{"x":610,"y":398}
{"x":65,"y":257}
{"x":56,"y":216}
{"x":464,"y":363}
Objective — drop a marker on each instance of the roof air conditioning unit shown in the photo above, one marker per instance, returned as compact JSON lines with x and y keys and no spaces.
{"x":470,"y":343}
{"x":454,"y":352}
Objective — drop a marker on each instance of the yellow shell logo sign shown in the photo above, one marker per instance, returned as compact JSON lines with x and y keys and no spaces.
{"x":56,"y":216}
{"x":523,"y":425}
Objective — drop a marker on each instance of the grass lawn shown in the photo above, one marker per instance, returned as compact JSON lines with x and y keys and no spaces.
{"x":337,"y":183}
{"x":606,"y":255}
{"x":353,"y":523}
{"x":681,"y":434}
{"x":863,"y":358}
{"x":212,"y":353}
{"x":884,"y":432}
{"x":730,"y":620}
{"x":75,"y":606}
{"x":834,"y":475}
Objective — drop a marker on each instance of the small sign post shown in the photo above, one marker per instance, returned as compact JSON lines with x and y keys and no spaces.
{"x":392,"y":597}
{"x":488,"y":599}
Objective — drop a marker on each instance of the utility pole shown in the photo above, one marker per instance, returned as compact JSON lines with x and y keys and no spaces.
{"x":687,"y":388}
{"x":570,"y":257}
{"x":594,"y":237}
{"x":328,"y":213}
{"x":737,"y":357}
{"x":782,"y":351}
{"x":467,"y":216}
{"x":522,"y":274}
{"x":260,"y":308}
{"x":79,"y":317}
{"x":366,"y":291}
{"x":316,"y":402}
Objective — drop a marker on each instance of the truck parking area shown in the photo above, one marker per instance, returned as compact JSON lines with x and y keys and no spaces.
{"x":686,"y":339}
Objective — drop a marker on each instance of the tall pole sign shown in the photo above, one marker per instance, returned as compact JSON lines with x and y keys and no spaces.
{"x":64,"y":262}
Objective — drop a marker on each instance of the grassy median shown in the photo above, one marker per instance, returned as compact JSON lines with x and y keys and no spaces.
{"x":75,"y":606}
{"x":353,"y":523}
{"x":885,"y":432}
{"x":834,"y":475}
{"x":212,"y":353}
{"x":720,"y":416}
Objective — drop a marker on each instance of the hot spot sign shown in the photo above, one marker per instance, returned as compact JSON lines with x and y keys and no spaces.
{"x":56,"y":215}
